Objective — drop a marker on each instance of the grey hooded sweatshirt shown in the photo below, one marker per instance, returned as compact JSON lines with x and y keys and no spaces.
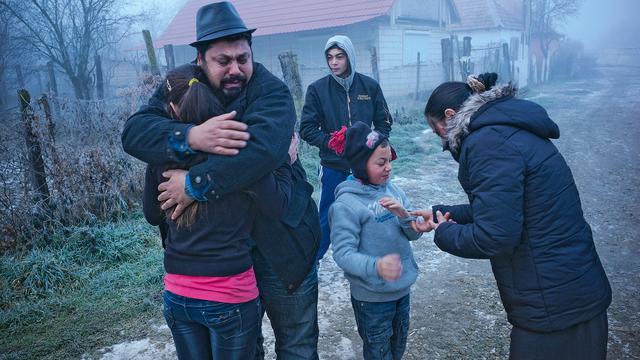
{"x":332,"y":102}
{"x":345,"y":44}
{"x":363,"y":231}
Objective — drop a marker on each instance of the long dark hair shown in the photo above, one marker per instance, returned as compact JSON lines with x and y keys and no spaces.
{"x":187,"y":89}
{"x":452,"y":94}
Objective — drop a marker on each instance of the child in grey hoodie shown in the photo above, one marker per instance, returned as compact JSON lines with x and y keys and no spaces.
{"x":370,"y":233}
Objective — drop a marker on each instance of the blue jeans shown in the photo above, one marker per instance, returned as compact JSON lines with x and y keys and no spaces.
{"x":294,"y":317}
{"x":329,"y":179}
{"x":204,"y":329}
{"x":383,"y":327}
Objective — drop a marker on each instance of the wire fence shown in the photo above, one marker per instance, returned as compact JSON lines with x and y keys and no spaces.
{"x":88,"y":176}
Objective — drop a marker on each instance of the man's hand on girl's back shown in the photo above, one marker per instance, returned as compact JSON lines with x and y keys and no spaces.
{"x":220,"y":135}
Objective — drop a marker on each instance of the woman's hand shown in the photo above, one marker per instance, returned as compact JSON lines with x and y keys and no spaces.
{"x":389,"y":267}
{"x":429,"y":223}
{"x":394,"y":206}
{"x":441,"y":219}
{"x":426,"y":225}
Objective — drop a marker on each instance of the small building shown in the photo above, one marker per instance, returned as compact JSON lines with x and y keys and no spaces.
{"x":388,"y":36}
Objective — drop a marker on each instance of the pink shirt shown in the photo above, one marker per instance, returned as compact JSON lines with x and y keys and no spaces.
{"x":232,"y":289}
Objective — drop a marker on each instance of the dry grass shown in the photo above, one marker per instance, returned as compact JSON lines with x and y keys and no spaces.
{"x":88,"y":175}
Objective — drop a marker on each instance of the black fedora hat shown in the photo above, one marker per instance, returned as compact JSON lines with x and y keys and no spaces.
{"x":218,"y":20}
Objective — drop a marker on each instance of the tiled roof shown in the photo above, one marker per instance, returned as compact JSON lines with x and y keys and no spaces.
{"x":286,"y":16}
{"x":486,"y":14}
{"x":278,"y":16}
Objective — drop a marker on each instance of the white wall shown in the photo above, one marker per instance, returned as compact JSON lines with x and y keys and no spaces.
{"x":397,"y":47}
{"x":397,"y":60}
{"x":309,"y":47}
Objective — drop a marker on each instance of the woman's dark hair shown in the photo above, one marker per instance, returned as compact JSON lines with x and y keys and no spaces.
{"x":195,"y":102}
{"x":452,"y":94}
{"x":194,"y":99}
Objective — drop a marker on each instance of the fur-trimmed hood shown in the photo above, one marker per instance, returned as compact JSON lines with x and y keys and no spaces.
{"x":498,"y":106}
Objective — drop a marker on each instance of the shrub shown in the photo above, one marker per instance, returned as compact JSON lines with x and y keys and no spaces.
{"x":88,"y":175}
{"x":40,"y":272}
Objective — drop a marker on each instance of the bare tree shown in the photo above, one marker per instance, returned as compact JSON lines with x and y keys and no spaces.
{"x":9,"y":52}
{"x":545,"y":16}
{"x":69,"y":33}
{"x":4,"y":55}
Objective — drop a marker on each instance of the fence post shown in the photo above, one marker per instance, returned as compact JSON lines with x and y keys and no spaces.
{"x":466,"y":46}
{"x":465,"y":60}
{"x":56,"y":172}
{"x":3,"y":100}
{"x":506,"y":61}
{"x":51,"y":126}
{"x":53,"y":84}
{"x":447,"y":58}
{"x":36,"y":162}
{"x":418,"y":77}
{"x":374,"y":63}
{"x":169,"y":57}
{"x":151,"y":53}
{"x":99,"y":78}
{"x":41,"y":87}
{"x":19,"y":77}
{"x":291,"y":74}
{"x":455,"y":56}
{"x":514,"y":49}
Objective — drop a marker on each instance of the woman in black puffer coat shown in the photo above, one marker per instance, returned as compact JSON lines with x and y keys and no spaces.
{"x":524,"y":214}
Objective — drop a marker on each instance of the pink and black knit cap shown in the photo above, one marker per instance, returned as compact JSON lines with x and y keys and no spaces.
{"x":356,"y":144}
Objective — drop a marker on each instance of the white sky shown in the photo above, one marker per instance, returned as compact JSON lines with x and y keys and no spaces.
{"x":158,"y":15}
{"x":606,"y":24}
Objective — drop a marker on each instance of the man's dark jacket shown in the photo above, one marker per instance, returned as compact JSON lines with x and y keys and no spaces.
{"x":327,"y":107}
{"x":290,"y":245}
{"x":524,"y":214}
{"x":267,"y":107}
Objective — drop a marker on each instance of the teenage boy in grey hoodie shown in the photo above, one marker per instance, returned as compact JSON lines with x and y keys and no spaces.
{"x":370,"y":233}
{"x":342,"y":98}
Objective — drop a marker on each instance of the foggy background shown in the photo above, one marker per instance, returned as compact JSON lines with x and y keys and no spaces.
{"x":606,"y":24}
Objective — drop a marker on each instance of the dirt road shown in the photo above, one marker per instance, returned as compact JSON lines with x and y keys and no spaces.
{"x":456,"y":310}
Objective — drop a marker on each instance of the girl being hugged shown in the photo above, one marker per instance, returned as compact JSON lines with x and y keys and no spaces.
{"x":211,"y":299}
{"x":370,"y":232}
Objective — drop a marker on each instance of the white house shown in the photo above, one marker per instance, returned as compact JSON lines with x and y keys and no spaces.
{"x":395,"y":30}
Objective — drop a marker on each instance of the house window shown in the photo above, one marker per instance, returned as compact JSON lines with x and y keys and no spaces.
{"x":414,"y":42}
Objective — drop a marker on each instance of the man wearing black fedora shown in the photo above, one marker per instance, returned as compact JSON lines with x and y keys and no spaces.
{"x":228,"y":153}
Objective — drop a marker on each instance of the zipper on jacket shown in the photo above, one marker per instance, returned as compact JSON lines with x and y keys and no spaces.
{"x":349,"y":107}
